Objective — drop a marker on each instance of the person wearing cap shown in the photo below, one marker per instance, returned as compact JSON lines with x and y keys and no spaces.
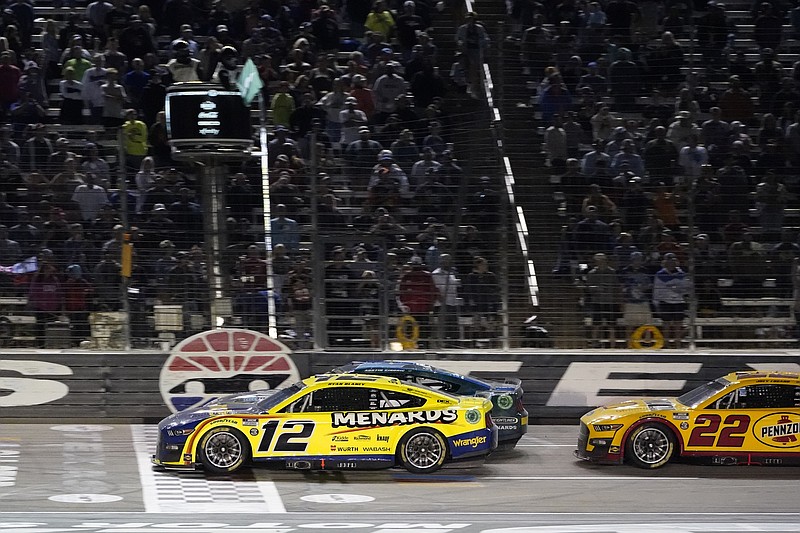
{"x":361,"y":155}
{"x":187,"y":34}
{"x":624,"y":77}
{"x":70,"y":89}
{"x":768,"y":73}
{"x":352,"y":120}
{"x":32,"y":81}
{"x":472,"y":40}
{"x":692,"y":158}
{"x":363,"y":95}
{"x":425,"y":164}
{"x":388,"y":184}
{"x":136,"y":40}
{"x":183,"y":66}
{"x":627,"y":155}
{"x":333,"y":103}
{"x":671,"y":288}
{"x":386,"y":90}
{"x":92,"y":83}
{"x":408,"y":24}
{"x":282,"y":105}
{"x":681,"y":128}
{"x":637,"y":292}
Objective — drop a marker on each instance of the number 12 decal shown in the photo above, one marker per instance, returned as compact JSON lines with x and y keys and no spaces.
{"x":293,"y":441}
{"x":731,"y":436}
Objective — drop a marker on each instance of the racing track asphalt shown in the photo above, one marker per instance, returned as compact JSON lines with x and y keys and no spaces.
{"x":98,"y":478}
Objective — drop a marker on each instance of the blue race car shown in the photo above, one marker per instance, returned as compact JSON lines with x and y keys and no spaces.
{"x":508,"y":411}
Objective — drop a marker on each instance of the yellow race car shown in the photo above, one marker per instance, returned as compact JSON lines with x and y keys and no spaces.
{"x":741,"y":418}
{"x":329,"y":422}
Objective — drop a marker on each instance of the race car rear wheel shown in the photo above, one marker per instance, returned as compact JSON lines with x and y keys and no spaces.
{"x":422,"y":451}
{"x":650,"y":446}
{"x":223,"y":450}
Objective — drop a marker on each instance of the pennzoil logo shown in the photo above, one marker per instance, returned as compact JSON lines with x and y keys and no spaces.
{"x":778,"y":430}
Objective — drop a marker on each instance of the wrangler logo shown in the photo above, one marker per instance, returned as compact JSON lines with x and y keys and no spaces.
{"x":473,"y":442}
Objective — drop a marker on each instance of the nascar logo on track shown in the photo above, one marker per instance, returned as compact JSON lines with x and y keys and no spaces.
{"x":219,"y":362}
{"x":778,"y":430}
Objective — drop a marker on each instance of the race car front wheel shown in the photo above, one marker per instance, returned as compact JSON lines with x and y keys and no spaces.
{"x":422,"y":451}
{"x":223,"y":450}
{"x":650,"y":446}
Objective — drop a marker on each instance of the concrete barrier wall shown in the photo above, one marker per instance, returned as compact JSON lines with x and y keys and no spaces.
{"x":559,"y":387}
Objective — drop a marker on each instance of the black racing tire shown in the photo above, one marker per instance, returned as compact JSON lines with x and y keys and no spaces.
{"x":650,"y":446}
{"x":422,"y":451}
{"x":223,"y":450}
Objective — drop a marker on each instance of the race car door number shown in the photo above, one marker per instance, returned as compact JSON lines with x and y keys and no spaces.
{"x":731,"y":436}
{"x":293,"y":436}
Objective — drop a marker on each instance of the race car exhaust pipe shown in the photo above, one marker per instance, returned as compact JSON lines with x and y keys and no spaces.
{"x":299,"y":465}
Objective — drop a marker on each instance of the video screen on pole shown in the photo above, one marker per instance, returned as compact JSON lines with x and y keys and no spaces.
{"x":206,"y":114}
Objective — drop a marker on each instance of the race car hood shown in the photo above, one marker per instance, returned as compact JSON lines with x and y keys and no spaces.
{"x":241,"y":403}
{"x":627,"y":408}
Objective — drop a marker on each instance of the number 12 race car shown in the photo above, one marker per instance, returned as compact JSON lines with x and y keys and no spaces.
{"x":331,"y":421}
{"x":741,"y":418}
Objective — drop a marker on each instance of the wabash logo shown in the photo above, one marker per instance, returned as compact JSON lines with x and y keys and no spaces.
{"x":216,"y":363}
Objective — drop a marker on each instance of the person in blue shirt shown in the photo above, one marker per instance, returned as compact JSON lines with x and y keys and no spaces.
{"x":284,"y":230}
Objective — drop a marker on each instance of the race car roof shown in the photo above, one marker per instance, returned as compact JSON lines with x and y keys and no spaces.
{"x":412,"y":366}
{"x":762,"y":375}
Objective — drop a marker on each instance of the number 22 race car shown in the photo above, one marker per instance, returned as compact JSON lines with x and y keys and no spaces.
{"x":331,"y":421}
{"x":741,"y":418}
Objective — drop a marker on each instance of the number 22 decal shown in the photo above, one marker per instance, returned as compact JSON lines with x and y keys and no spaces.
{"x":731,"y":436}
{"x":293,"y":441}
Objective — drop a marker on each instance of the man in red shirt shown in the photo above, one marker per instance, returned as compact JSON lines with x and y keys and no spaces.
{"x":416,"y":295}
{"x":9,"y":81}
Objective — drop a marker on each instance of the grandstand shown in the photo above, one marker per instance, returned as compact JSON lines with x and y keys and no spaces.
{"x":368,"y":195}
{"x":744,"y":286}
{"x":443,"y":172}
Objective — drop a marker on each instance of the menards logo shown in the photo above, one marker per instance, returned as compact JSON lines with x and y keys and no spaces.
{"x":778,"y":430}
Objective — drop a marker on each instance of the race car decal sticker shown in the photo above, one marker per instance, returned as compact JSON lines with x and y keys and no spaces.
{"x":402,"y":418}
{"x":293,"y":436}
{"x":778,"y":430}
{"x":731,"y":436}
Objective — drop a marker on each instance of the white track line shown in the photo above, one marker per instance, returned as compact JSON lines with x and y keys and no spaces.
{"x":583,"y":478}
{"x":172,"y":492}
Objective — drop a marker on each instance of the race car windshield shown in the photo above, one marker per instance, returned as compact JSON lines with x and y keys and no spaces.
{"x":268,"y":403}
{"x":695,"y":397}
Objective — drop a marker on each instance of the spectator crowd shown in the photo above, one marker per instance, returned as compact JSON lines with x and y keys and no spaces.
{"x":360,"y":102}
{"x":672,"y":134}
